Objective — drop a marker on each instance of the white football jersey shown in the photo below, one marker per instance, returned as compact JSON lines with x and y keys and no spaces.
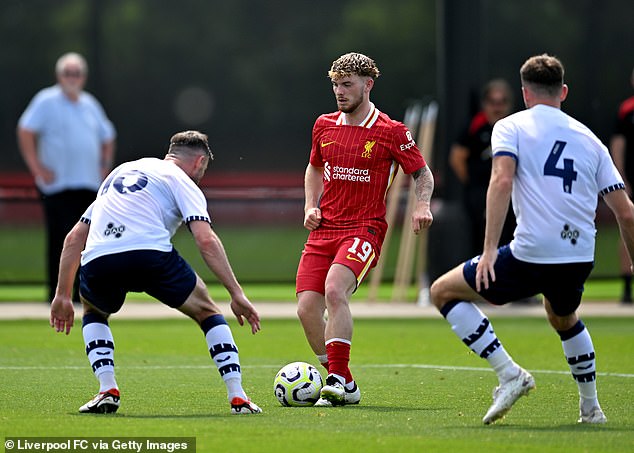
{"x":562,"y":168}
{"x":140,"y":206}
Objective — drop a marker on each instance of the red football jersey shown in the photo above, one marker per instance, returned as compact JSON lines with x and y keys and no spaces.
{"x":360,"y":163}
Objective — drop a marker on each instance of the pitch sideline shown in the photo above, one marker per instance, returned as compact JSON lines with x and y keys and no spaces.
{"x":285,"y":310}
{"x":276,"y":366}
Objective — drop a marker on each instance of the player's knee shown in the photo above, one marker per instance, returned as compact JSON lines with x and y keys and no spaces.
{"x":560,"y":318}
{"x":562,"y":323}
{"x":93,"y":311}
{"x":438,"y":293}
{"x":335,"y":297}
{"x":304,"y":313}
{"x":309,"y":309}
{"x":199,"y":307}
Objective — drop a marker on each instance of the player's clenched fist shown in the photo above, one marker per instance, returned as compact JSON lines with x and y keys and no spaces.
{"x":421,"y":219}
{"x":312,"y":218}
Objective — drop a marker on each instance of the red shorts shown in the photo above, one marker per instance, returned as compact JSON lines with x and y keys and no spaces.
{"x":359,"y":254}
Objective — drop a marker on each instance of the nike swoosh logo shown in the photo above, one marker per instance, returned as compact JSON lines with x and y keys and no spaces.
{"x":352,"y":258}
{"x":324,"y":144}
{"x":224,"y":360}
{"x":103,"y":353}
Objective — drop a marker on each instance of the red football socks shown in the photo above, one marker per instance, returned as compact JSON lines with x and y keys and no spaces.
{"x":338,"y":359}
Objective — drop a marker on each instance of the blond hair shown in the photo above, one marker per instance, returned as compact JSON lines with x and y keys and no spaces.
{"x":353,"y":64}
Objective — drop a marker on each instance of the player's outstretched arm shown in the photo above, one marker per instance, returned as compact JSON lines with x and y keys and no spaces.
{"x":617,"y":151}
{"x":424,"y":188}
{"x":62,"y":314}
{"x":214,"y":255}
{"x":62,"y":311}
{"x":243,"y":309}
{"x":623,"y":210}
{"x":497,"y":206}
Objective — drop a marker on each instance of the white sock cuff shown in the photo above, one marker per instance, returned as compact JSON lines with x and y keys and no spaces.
{"x":96,"y":331}
{"x":341,"y":340}
{"x":465,"y":310}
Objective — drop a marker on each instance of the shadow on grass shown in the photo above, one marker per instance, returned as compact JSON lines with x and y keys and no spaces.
{"x":563,"y":428}
{"x":386,"y":409}
{"x":120,"y":415}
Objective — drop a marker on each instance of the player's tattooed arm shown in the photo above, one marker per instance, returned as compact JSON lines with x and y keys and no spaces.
{"x":424,"y":184}
{"x":423,"y":188}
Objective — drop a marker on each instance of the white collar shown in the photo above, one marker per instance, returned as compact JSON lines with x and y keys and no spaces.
{"x":367,"y":122}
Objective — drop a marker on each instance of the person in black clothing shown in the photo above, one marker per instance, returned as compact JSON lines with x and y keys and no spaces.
{"x":470,"y":159}
{"x":622,"y":150}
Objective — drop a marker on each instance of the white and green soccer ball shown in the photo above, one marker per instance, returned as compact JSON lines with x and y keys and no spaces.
{"x":298,"y":384}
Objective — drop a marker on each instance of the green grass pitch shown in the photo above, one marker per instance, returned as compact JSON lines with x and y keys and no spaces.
{"x":422,"y":390}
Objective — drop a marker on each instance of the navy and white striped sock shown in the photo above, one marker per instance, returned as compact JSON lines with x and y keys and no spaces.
{"x":475,"y":331}
{"x":224,"y":353}
{"x":580,"y":356}
{"x":100,"y":349}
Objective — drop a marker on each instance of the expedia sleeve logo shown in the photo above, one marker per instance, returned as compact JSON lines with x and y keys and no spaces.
{"x":410,"y":142}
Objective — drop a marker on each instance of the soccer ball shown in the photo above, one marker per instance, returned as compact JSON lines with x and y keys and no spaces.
{"x":298,"y":384}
